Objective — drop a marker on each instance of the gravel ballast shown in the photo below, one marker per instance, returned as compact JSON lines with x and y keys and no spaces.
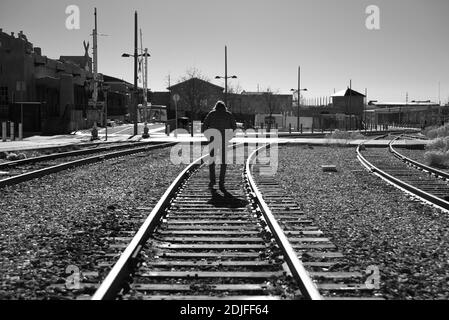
{"x":60,"y":220}
{"x":370,"y":221}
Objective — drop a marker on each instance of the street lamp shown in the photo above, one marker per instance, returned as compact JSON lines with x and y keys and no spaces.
{"x":226,"y":77}
{"x":135,"y":56}
{"x":146,"y":55}
{"x":135,"y":71}
{"x":127,"y":55}
{"x":299,"y":91}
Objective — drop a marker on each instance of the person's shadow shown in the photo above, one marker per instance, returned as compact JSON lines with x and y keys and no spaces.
{"x":226,"y":200}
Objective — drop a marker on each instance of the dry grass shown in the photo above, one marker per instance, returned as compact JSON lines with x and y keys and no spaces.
{"x":434,"y":132}
{"x":437,"y":153}
{"x":345,"y":135}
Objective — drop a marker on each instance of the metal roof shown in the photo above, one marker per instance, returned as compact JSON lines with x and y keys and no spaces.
{"x":346,"y":93}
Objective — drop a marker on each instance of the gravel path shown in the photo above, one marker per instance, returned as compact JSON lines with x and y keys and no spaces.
{"x":51,"y":223}
{"x":371,"y":221}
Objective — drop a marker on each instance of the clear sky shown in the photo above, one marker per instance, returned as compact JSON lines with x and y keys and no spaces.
{"x":266,"y":40}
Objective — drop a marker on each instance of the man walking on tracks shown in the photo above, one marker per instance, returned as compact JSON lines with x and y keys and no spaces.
{"x":224,"y":124}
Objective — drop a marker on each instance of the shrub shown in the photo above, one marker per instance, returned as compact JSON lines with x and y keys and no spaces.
{"x":439,"y":144}
{"x":437,"y":158}
{"x":436,"y":132}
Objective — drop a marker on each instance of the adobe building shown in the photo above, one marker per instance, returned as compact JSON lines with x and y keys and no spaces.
{"x":53,"y":93}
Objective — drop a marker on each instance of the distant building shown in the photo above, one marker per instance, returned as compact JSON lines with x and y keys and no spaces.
{"x":197,"y":96}
{"x":57,"y":94}
{"x":415,"y":113}
{"x":201,"y":96}
{"x":260,"y":103}
{"x":119,"y":98}
{"x":54,"y":93}
{"x":348,"y":101}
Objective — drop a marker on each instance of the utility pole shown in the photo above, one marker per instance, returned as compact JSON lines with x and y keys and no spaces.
{"x":226,"y":76}
{"x":299,"y":95}
{"x":142,"y":72}
{"x":350,"y":104}
{"x":136,"y":90}
{"x":145,"y":92}
{"x":169,"y":106}
{"x":364,"y":106}
{"x":95,"y":61}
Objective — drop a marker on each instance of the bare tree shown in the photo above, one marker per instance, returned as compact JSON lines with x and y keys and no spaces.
{"x":195,"y":91}
{"x":235,"y":88}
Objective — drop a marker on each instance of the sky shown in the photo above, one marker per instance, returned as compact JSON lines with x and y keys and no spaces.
{"x":266,"y":39}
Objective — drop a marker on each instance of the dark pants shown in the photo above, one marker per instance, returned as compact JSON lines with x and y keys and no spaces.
{"x":222,"y":151}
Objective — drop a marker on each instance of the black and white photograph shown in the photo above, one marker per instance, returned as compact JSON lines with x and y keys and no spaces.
{"x":226,"y":158}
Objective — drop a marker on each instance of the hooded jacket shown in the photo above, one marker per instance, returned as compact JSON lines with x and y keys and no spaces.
{"x":220,"y":118}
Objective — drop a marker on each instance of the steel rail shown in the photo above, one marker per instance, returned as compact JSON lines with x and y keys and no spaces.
{"x":434,"y":171}
{"x":116,"y":277}
{"x":122,"y":269}
{"x":113,"y":282}
{"x":306,"y":284}
{"x":76,"y":163}
{"x":397,"y":182}
{"x":83,"y":152}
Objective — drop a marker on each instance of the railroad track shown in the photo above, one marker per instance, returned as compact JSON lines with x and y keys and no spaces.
{"x":321,"y":258}
{"x":14,"y":172}
{"x":424,"y":182}
{"x":207,"y":244}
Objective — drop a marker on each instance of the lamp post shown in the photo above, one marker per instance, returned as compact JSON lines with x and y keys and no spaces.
{"x":226,"y":76}
{"x":299,"y":92}
{"x":135,"y":56}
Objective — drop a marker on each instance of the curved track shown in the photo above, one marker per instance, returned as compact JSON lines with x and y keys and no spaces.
{"x":425,"y":182}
